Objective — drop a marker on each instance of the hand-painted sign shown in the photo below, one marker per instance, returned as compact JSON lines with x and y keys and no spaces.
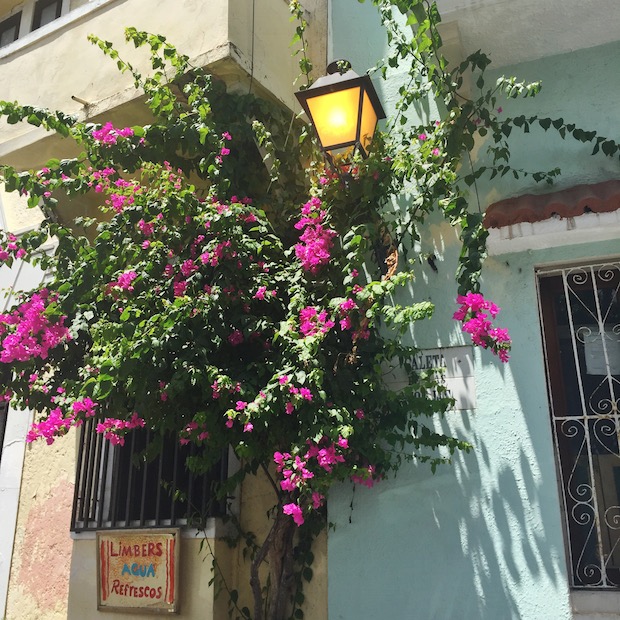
{"x":137,"y":570}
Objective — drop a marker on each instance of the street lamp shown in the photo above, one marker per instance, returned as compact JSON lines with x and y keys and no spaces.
{"x":344,"y":109}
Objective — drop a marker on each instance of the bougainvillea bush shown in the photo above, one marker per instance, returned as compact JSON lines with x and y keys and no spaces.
{"x":239,"y":305}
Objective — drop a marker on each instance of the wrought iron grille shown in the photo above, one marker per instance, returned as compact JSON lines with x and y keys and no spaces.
{"x":145,"y":483}
{"x":580,"y":309}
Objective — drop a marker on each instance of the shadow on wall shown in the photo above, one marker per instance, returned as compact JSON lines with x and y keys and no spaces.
{"x":472,"y":541}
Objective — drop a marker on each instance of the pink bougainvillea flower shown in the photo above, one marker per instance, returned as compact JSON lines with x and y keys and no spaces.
{"x":317,"y":500}
{"x":295,"y":511}
{"x":125,"y":280}
{"x":474,"y":313}
{"x":316,"y":241}
{"x":179,"y":287}
{"x":236,"y":338}
{"x":27,"y":332}
{"x":312,"y":321}
{"x":108,"y":135}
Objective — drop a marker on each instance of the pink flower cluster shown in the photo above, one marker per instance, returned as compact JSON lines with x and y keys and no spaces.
{"x":262,"y":292}
{"x":86,"y":407}
{"x":224,"y":150}
{"x":220,"y":387}
{"x":27,"y":332}
{"x":121,"y":192}
{"x":11,"y":250}
{"x":316,"y":241}
{"x":345,"y":309}
{"x":312,"y":322}
{"x":235,"y":338}
{"x":366,"y":476}
{"x":56,"y":424}
{"x":327,"y":453}
{"x":474,"y":314}
{"x":295,"y":472}
{"x":220,"y":252}
{"x":118,"y":201}
{"x":110,"y":428}
{"x":193,"y":432}
{"x":146,"y":228}
{"x":124,"y":282}
{"x":109,"y":135}
{"x":298,"y":394}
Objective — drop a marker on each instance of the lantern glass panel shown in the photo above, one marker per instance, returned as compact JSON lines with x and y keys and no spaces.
{"x":368,"y":123}
{"x":335,"y":116}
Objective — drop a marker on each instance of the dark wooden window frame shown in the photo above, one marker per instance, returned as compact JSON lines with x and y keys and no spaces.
{"x":40,"y":6}
{"x":11,"y":22}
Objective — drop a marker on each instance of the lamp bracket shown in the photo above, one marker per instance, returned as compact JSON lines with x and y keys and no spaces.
{"x":338,"y":66}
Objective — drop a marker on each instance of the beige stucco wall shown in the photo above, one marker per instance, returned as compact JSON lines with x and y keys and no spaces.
{"x":194,"y":575}
{"x":17,"y":215}
{"x":256,"y":500}
{"x":39,"y":578}
{"x":235,"y":38}
{"x":7,"y":7}
{"x":197,"y":597}
{"x":53,"y":576}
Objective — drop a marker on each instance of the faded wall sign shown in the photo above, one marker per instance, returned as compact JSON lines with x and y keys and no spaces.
{"x":138,"y":570}
{"x":454,"y":368}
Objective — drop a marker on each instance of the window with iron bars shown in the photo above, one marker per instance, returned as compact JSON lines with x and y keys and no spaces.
{"x":134,"y":486}
{"x":580,"y":308}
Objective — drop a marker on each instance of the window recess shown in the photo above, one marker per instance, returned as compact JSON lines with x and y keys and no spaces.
{"x":580,"y":308}
{"x":46,"y":11}
{"x":141,"y":484}
{"x":9,"y":29}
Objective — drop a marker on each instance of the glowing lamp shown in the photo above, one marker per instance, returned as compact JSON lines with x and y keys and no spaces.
{"x":344,"y":109}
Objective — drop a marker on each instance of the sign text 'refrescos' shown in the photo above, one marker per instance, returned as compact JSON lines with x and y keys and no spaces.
{"x":138,"y":570}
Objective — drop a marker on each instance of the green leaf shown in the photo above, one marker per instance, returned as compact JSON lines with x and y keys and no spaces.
{"x":609,"y":147}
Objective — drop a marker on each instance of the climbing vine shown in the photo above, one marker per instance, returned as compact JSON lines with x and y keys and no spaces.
{"x":234,"y":290}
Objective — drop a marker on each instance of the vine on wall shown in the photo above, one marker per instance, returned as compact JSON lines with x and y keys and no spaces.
{"x":227,"y":291}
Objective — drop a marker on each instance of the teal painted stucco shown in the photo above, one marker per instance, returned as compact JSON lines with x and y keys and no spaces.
{"x":482,"y":538}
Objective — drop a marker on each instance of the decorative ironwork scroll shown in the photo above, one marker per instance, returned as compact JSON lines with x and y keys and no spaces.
{"x":581,"y":321}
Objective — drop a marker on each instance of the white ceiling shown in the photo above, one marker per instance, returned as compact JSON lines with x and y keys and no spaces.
{"x":512,"y":31}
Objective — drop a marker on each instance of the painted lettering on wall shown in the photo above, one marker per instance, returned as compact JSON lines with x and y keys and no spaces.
{"x":137,"y":569}
{"x":453,"y":367}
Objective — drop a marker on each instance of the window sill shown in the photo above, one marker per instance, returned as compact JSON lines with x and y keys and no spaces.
{"x":36,"y":36}
{"x":595,"y":604}
{"x":216,"y":528}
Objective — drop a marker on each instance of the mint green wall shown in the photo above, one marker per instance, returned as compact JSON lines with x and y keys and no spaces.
{"x":482,"y":538}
